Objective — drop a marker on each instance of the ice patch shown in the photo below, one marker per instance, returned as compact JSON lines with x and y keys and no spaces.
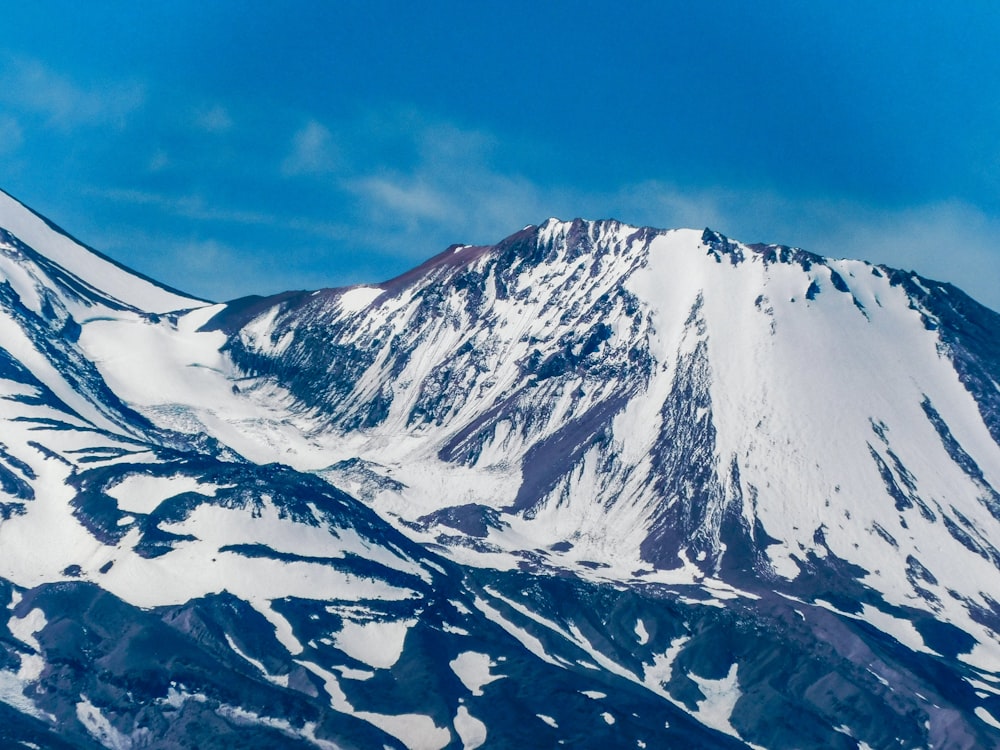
{"x":471,"y":731}
{"x":473,"y":669}
{"x":31,"y":668}
{"x":641,"y":633}
{"x":354,"y":674}
{"x":98,"y":726}
{"x":658,"y":675}
{"x":377,"y":644}
{"x":242,"y":716}
{"x":24,"y":628}
{"x":282,"y":629}
{"x":878,"y":677}
{"x":902,"y":630}
{"x":12,"y":693}
{"x":281,"y":680}
{"x":357,"y":299}
{"x":141,"y":493}
{"x":416,"y":731}
{"x":526,"y":639}
{"x":720,"y":699}
{"x":987,"y":717}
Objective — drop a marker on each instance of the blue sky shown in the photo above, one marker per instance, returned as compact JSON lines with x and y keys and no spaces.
{"x":230,"y":148}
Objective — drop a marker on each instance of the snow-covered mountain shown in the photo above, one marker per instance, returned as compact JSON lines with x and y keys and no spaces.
{"x":595,"y":485}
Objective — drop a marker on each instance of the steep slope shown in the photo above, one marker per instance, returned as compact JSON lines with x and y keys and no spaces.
{"x":660,"y":400}
{"x":618,"y":487}
{"x":46,"y":299}
{"x":160,"y":589}
{"x":668,"y":406}
{"x":82,"y":273}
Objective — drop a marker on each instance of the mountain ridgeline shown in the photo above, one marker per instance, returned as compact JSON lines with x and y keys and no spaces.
{"x":594,"y":486}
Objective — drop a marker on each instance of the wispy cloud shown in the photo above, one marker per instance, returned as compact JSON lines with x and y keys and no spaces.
{"x":30,"y":87}
{"x":196,"y":208}
{"x":313,"y":152}
{"x":159,"y":161}
{"x":410,"y":199}
{"x":187,"y":206}
{"x":215,"y":119}
{"x":11,"y":134}
{"x":451,"y":188}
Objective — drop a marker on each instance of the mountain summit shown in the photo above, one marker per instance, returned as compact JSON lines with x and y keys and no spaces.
{"x":596,"y":485}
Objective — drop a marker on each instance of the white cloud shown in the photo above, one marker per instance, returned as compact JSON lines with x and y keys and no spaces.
{"x":188,"y":206}
{"x":196,"y":208}
{"x":31,"y":87}
{"x":313,"y":152}
{"x":442,"y":142}
{"x":11,"y":135}
{"x":159,"y":161}
{"x":214,"y":119}
{"x":410,"y":199}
